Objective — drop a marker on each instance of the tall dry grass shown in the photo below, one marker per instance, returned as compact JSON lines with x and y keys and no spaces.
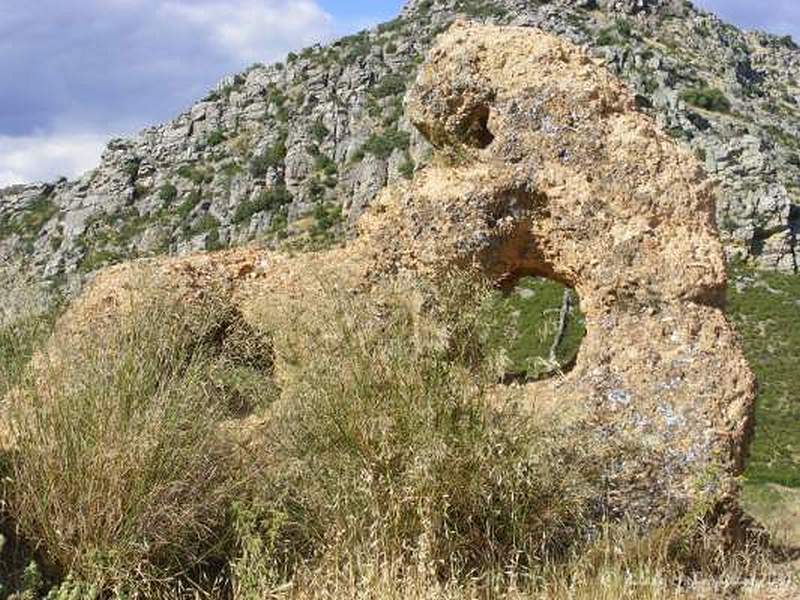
{"x":120,"y":475}
{"x":384,"y":440}
{"x":348,"y":447}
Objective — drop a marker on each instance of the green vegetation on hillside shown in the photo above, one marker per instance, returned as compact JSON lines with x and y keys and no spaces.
{"x":267,"y":200}
{"x":767,"y":316}
{"x":382,"y":145}
{"x":708,"y":98}
{"x":529,"y":323}
{"x":29,"y":222}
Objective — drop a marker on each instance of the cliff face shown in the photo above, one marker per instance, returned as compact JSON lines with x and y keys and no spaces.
{"x":299,"y":150}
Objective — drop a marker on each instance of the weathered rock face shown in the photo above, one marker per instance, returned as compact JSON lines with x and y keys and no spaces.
{"x":301,"y":149}
{"x":561,"y":177}
{"x":551,"y":172}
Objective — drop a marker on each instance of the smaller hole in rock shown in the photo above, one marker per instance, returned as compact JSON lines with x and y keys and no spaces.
{"x":478,"y":134}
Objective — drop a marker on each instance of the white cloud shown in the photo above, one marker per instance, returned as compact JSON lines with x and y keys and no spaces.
{"x":72,"y":68}
{"x":43,"y":157}
{"x":253,"y":30}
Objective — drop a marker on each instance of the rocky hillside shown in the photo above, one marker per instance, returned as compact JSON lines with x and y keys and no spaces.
{"x":297,"y":150}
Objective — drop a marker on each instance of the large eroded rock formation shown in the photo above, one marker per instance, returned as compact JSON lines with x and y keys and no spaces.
{"x":544,"y":167}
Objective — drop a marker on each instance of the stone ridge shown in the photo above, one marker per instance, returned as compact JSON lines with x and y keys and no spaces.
{"x":541,"y":165}
{"x":298,"y":150}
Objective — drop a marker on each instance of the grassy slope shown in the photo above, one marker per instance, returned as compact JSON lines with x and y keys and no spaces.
{"x":767,"y":316}
{"x":529,"y":321}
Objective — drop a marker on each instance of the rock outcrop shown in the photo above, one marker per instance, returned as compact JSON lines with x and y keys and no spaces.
{"x":301,"y":149}
{"x":543,"y":166}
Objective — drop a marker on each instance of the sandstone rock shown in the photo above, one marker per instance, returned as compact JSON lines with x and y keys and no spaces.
{"x":565,"y":180}
{"x":552,"y":172}
{"x":660,"y":47}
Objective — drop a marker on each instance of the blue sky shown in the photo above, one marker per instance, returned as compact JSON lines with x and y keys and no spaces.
{"x":74,"y":73}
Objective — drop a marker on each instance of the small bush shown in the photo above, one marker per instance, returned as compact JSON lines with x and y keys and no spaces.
{"x":326,"y":165}
{"x":29,"y":222}
{"x":131,"y":167}
{"x":215,"y":138}
{"x":98,"y":258}
{"x":391,"y":85}
{"x":707,"y":98}
{"x":327,"y":216}
{"x":272,"y":158}
{"x":196,"y":175}
{"x":204,"y":224}
{"x":190,"y":201}
{"x":319,"y":132}
{"x":168,"y":193}
{"x":267,"y":200}
{"x":382,"y":145}
{"x":408,"y":167}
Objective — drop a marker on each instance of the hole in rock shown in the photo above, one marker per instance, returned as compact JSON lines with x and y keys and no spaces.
{"x":477,"y":130}
{"x":539,"y":324}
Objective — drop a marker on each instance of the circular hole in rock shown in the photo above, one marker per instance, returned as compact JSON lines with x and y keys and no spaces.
{"x":539,"y":324}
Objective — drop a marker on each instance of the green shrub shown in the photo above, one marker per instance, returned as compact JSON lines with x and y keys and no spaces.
{"x":357,"y":47}
{"x":207,"y":222}
{"x":382,"y":145}
{"x":279,"y":222}
{"x":168,"y":193}
{"x":28,"y":223}
{"x":707,"y":98}
{"x":96,"y":258}
{"x":213,"y":240}
{"x":325,"y":164}
{"x":391,"y":85}
{"x":267,"y":200}
{"x":195,"y":174}
{"x":614,"y":35}
{"x":190,"y":201}
{"x":319,"y":132}
{"x":230,"y":169}
{"x":131,"y":167}
{"x":273,"y":157}
{"x":392,"y":26}
{"x":408,"y":167}
{"x":326,"y":216}
{"x":215,"y":138}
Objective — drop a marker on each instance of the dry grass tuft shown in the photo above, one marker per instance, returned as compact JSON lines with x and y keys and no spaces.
{"x":119,"y":474}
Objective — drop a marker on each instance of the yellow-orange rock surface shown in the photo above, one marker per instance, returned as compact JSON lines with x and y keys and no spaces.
{"x":543,"y":166}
